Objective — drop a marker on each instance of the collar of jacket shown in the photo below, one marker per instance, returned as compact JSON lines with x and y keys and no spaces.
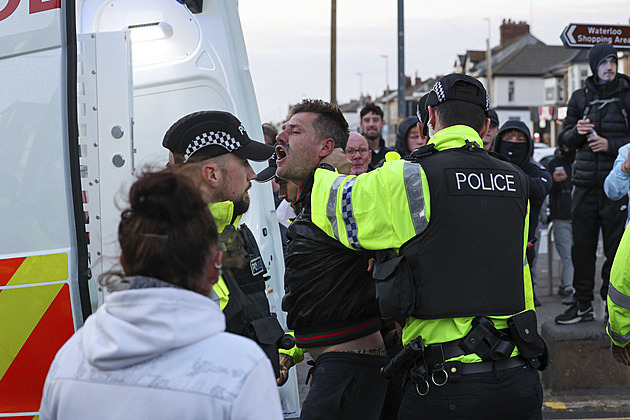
{"x":305,"y":188}
{"x":223,"y":213}
{"x":454,"y":137}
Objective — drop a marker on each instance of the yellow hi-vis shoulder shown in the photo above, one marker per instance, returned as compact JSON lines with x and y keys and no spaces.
{"x":392,"y":192}
{"x":35,"y":321}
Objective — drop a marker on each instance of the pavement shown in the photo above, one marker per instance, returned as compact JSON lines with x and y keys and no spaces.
{"x":583,"y":404}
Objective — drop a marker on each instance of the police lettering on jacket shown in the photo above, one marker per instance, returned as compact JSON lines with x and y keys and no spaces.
{"x":491,"y":182}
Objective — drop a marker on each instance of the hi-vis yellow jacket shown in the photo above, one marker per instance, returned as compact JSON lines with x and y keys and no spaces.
{"x":618,"y":327}
{"x":385,"y":208}
{"x":223,"y":213}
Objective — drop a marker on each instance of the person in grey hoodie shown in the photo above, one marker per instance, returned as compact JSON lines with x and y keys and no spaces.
{"x":157,"y":348}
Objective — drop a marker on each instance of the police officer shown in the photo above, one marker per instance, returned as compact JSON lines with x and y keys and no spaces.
{"x":619,"y":302}
{"x":456,"y":221}
{"x":213,"y":148}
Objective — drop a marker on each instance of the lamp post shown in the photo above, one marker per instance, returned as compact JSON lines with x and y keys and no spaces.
{"x":386,"y":102}
{"x":333,"y":52}
{"x":386,"y":70}
{"x":489,"y":64}
{"x":360,"y":86}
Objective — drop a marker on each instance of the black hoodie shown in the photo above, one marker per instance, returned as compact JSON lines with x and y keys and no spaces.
{"x":401,"y":135}
{"x":540,"y":180}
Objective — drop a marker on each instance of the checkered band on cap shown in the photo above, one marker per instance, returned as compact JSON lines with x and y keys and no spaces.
{"x":487,"y":102}
{"x":439,"y":91}
{"x":212,"y":138}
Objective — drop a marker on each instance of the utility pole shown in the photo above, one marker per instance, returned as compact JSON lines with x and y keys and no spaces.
{"x":402,"y":83}
{"x":333,"y":53}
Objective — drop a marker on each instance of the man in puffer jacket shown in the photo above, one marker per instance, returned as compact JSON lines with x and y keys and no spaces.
{"x":596,"y":127}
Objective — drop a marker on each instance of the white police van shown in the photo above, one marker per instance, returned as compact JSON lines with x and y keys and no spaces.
{"x":89,"y":89}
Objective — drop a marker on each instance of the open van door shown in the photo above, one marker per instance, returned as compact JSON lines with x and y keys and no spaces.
{"x":43,"y":253}
{"x":90,"y":89}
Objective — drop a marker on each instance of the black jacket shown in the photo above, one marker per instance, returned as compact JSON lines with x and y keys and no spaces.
{"x":560,"y":193}
{"x":591,"y":168}
{"x":539,"y":179}
{"x":379,"y":159}
{"x":329,"y":296}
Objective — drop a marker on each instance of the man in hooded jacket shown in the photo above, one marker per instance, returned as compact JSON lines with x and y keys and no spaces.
{"x":596,"y":127}
{"x":515,"y":142}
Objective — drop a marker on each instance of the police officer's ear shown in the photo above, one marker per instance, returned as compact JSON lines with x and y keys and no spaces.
{"x":484,"y":129}
{"x":420,"y":131}
{"x":433,"y":119}
{"x":211,"y":174}
{"x":327,"y":146}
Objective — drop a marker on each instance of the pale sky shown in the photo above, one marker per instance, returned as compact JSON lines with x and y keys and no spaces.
{"x":288,"y":41}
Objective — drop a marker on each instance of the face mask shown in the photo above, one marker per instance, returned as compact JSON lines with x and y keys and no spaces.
{"x":568,"y":155}
{"x":517,"y":153}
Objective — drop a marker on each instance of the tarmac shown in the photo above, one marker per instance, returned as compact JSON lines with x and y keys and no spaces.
{"x":582,"y":404}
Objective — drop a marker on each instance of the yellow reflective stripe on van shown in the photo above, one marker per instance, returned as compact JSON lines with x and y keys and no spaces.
{"x":20,"y":311}
{"x":40,"y":269}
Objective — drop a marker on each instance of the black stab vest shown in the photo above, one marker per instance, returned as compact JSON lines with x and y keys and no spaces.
{"x":469,"y":260}
{"x":247,"y":311}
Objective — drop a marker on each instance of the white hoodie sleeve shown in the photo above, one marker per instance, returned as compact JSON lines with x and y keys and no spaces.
{"x":259,"y":398}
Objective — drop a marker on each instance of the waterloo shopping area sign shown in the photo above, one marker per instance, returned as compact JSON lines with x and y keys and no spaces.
{"x":578,"y":35}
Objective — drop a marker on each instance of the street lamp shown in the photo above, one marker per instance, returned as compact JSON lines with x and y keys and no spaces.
{"x":360,"y":85}
{"x":489,"y":64}
{"x":386,"y":70}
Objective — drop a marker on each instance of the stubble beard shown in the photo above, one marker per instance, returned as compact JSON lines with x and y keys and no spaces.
{"x":241,"y":205}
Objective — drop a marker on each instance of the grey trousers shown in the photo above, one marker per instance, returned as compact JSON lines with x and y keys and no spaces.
{"x":563,"y":238}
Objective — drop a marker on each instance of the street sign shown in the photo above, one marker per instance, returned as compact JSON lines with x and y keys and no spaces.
{"x":578,"y":35}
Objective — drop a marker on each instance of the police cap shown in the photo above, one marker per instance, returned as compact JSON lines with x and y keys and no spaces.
{"x":449,"y":88}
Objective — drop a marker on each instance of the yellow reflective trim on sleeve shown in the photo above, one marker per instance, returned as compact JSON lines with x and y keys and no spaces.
{"x":221,"y":289}
{"x":40,"y":269}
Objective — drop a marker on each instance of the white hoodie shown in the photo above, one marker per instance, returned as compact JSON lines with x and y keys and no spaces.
{"x":159,"y":353}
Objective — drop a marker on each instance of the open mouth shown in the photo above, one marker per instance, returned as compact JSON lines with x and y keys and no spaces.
{"x":281,"y":154}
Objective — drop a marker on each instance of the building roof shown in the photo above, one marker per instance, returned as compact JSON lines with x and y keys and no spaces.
{"x":353,"y":106}
{"x":502,"y":52}
{"x":532,"y":60}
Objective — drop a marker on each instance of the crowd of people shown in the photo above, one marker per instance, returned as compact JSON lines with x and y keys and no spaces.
{"x":407,"y":278}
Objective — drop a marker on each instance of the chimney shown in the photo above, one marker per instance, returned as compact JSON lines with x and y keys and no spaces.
{"x":511,"y":30}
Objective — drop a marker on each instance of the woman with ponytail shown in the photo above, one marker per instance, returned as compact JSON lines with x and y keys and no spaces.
{"x":157,"y":348}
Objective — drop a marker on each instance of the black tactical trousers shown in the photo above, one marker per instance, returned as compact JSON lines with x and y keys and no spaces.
{"x":345,"y":386}
{"x":591,"y":211}
{"x":514,"y":394}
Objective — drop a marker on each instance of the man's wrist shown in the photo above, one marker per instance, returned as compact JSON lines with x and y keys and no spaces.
{"x":625,"y":168}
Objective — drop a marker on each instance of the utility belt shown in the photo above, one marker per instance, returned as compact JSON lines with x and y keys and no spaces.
{"x":494,"y":347}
